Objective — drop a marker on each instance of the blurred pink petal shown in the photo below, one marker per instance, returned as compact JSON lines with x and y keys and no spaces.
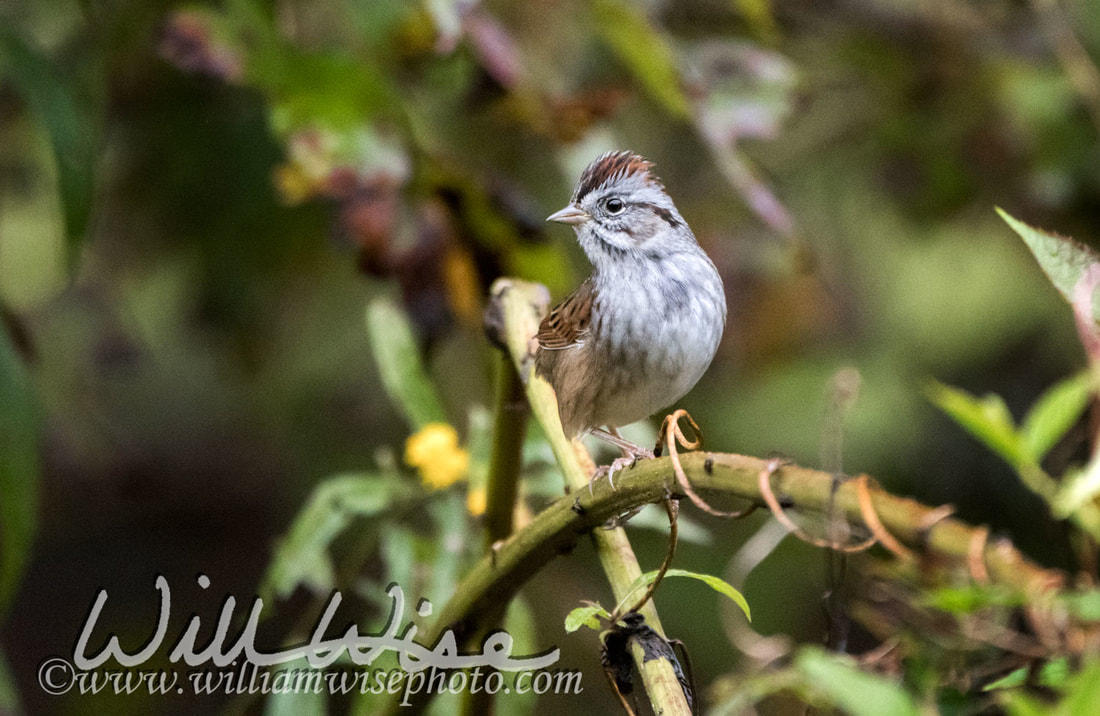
{"x":1083,"y":311}
{"x":494,"y":48}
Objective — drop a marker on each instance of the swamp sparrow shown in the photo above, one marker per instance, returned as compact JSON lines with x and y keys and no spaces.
{"x":642,"y":329}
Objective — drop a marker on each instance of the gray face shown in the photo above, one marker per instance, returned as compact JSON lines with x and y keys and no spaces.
{"x":631,"y":215}
{"x":622,"y":213}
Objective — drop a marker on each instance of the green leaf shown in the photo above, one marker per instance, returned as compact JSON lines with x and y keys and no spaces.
{"x":986,"y":418}
{"x":71,"y":125}
{"x":1077,"y":489}
{"x":302,"y":557}
{"x":332,"y":88}
{"x":715,"y":583}
{"x":1084,"y":692}
{"x":971,"y":598}
{"x":328,"y":90}
{"x":1053,"y":415}
{"x":1014,"y":678}
{"x":1083,"y":605}
{"x":399,"y":364}
{"x":854,"y":691}
{"x":1062,"y":259}
{"x":19,"y":426}
{"x":585,"y":616}
{"x":1052,"y":674}
{"x":1021,"y":704}
{"x":644,"y":51}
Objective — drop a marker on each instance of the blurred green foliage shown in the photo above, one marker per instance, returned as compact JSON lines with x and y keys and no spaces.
{"x":198,"y":201}
{"x":72,"y":128}
{"x":19,"y":432}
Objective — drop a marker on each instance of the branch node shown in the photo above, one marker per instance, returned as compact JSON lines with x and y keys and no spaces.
{"x":933,"y":517}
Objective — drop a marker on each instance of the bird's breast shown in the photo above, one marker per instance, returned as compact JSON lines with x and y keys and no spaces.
{"x":657,"y":333}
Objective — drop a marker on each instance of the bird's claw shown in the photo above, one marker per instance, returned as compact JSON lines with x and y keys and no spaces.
{"x":618,"y":464}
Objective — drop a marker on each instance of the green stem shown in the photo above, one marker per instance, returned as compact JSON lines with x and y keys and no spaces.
{"x":509,"y":429}
{"x":522,"y":305}
{"x":501,"y":488}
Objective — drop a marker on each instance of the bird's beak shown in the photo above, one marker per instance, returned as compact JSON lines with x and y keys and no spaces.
{"x":570,"y":215}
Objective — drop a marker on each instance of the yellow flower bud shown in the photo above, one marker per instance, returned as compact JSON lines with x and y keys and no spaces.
{"x":434,"y":451}
{"x":475,"y":501}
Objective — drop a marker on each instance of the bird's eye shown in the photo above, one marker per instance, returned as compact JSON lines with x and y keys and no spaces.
{"x":615,"y":205}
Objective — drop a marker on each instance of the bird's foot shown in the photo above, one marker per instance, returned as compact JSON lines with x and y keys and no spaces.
{"x":618,"y":464}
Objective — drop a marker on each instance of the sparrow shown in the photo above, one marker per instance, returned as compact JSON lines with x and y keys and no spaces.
{"x":639,"y":332}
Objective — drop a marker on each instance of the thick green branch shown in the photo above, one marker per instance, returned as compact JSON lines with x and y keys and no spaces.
{"x":557,"y":529}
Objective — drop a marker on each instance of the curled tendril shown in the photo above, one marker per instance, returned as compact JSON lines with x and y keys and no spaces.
{"x":670,"y":436}
{"x":975,"y":555}
{"x":672,"y":508}
{"x":871,"y":519}
{"x":773,"y":504}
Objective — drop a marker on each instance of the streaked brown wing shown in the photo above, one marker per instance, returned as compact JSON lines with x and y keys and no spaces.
{"x":567,"y":323}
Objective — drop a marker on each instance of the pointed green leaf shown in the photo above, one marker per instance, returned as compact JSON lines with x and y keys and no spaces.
{"x":1014,"y":678}
{"x":1053,"y":415}
{"x":403,"y":374}
{"x":1052,"y":675}
{"x":717,"y":584}
{"x":986,"y":418}
{"x":1062,"y":259}
{"x":585,"y":616}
